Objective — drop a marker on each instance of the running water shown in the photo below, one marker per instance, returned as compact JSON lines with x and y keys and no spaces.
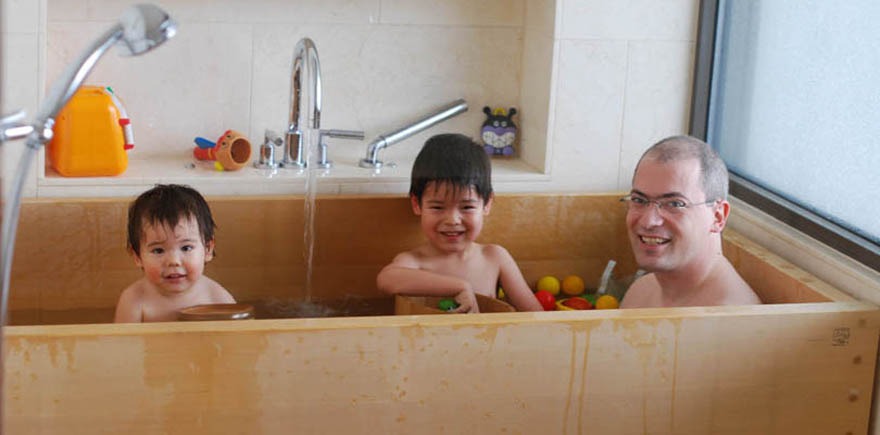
{"x":309,"y":216}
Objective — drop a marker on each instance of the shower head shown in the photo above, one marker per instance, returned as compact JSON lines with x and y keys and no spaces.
{"x":144,"y":27}
{"x":140,"y":28}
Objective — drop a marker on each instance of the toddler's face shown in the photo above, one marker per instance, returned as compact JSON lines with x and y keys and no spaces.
{"x":173,"y":259}
{"x":452,"y":219}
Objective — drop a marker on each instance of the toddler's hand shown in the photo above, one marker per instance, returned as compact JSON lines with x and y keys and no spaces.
{"x":467,"y":302}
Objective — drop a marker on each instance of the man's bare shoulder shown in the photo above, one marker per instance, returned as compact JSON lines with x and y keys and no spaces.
{"x":642,"y":293}
{"x":739,"y":292}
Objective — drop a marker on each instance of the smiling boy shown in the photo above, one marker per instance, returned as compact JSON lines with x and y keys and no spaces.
{"x":451,"y":192}
{"x":171,"y":237}
{"x":676,"y":211}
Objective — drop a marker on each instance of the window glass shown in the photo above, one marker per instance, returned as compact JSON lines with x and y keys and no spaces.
{"x":795,"y":103}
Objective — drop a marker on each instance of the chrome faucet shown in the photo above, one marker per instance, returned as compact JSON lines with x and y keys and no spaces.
{"x":371,"y":161}
{"x":304,"y":123}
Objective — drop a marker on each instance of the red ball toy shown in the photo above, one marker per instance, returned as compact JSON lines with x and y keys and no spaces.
{"x":546,"y":299}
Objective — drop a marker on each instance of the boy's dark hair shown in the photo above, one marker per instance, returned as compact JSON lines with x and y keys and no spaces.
{"x":167,"y":204}
{"x":454,"y":159}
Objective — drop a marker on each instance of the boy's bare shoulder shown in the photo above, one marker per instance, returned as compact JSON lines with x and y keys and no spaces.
{"x":134,"y":292}
{"x":413,"y":258}
{"x":218,"y":294}
{"x":494,"y":252}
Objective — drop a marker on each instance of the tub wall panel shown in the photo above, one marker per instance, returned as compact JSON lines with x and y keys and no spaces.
{"x":71,"y":257}
{"x":797,"y":368}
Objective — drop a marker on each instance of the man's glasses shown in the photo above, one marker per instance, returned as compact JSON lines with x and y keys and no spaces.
{"x":672,"y":206}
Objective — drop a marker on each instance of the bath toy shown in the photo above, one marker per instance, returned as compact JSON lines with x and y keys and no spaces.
{"x":576,"y":303}
{"x":549,"y":284}
{"x":499,"y":131}
{"x":572,"y":285}
{"x":606,"y":275}
{"x":606,"y":302}
{"x":232,"y":151}
{"x":447,"y":304}
{"x":546,"y":299}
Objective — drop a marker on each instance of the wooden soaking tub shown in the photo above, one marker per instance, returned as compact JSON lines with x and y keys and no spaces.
{"x":802,"y":363}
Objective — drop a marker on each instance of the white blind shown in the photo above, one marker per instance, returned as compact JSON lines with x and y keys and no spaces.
{"x":795,"y":103}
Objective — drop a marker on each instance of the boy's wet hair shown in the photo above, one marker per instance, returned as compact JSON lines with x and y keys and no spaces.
{"x":168,"y":204}
{"x":455,"y":159}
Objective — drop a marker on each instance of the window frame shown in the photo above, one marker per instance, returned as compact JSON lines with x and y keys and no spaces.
{"x":825,"y":231}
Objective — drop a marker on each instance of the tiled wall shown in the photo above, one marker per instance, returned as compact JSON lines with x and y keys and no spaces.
{"x":596,"y":81}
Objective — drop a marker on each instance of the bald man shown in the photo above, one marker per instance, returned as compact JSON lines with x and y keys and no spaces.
{"x":675,"y":213}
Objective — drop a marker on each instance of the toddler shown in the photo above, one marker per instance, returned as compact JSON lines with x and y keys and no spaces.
{"x":170,"y":237}
{"x":451,"y":191}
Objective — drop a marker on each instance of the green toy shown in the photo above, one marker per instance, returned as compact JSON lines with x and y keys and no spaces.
{"x":447,"y":304}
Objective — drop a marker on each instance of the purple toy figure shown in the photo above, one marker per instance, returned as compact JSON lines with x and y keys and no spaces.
{"x":499,"y":131}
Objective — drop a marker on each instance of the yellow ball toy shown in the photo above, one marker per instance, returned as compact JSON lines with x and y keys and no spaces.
{"x":606,"y":302}
{"x":550,"y":284}
{"x":572,"y":285}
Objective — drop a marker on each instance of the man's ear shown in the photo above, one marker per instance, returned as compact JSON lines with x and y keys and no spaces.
{"x":720,"y":212}
{"x":136,"y":257}
{"x":488,"y":205}
{"x":209,"y":250}
{"x":417,"y":209}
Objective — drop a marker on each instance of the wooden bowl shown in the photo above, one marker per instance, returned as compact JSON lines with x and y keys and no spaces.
{"x":217,"y":312}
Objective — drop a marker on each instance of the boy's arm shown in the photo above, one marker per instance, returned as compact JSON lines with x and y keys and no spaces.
{"x":404,"y":277}
{"x":513,"y":283}
{"x":129,"y":309}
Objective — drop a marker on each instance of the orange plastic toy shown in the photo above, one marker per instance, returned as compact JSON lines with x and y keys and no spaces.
{"x":91,"y":135}
{"x":232,"y":151}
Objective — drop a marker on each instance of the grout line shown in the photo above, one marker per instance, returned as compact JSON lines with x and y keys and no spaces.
{"x":623,"y":116}
{"x":250,"y":115}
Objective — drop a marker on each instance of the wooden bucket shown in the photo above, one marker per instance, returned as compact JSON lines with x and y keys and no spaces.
{"x":405,"y":305}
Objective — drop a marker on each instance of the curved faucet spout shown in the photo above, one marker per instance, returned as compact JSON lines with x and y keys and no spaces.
{"x":305,"y":102}
{"x":305,"y":63}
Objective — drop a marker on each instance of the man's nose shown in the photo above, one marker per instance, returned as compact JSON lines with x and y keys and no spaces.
{"x":651,"y":216}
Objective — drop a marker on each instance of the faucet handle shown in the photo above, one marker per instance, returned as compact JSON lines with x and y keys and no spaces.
{"x":14,"y":117}
{"x":272,"y":137}
{"x":343,"y":134}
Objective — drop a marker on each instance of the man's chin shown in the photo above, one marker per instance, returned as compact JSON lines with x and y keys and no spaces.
{"x":652,"y":264}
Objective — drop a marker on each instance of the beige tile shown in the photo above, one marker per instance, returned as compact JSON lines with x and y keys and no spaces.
{"x":67,"y":10}
{"x":658,"y":94}
{"x":19,"y":91}
{"x":197,"y":84}
{"x":380,"y":78}
{"x":535,"y":99}
{"x":21,"y":74}
{"x":632,"y":19}
{"x":262,"y":11}
{"x":541,"y":16}
{"x":20,"y":16}
{"x":589,"y":112}
{"x":454,"y":12}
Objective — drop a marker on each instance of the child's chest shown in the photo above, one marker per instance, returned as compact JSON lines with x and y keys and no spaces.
{"x":481,"y":274}
{"x":165,"y":309}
